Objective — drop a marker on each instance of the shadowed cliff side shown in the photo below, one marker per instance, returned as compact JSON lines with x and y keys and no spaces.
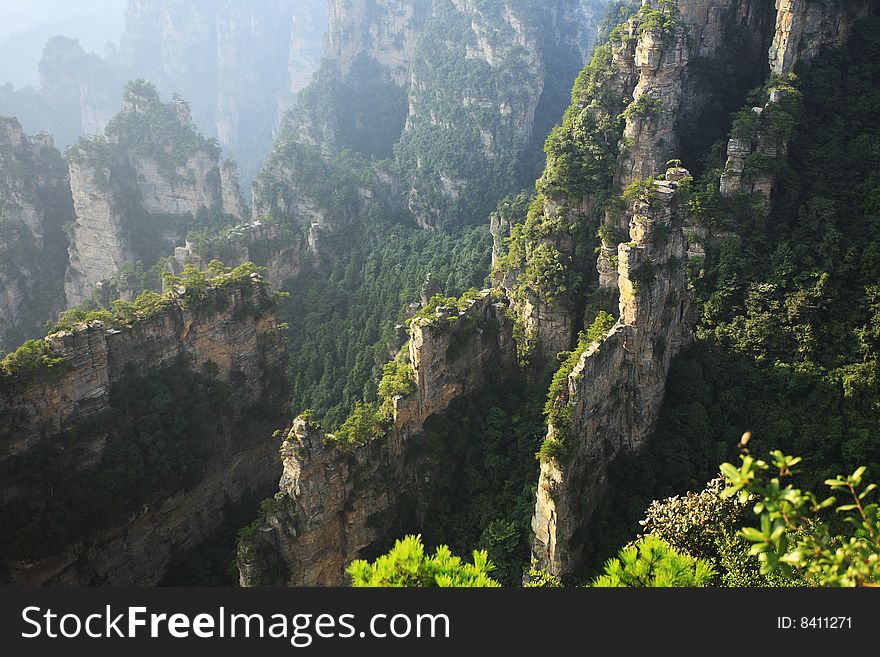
{"x":124,"y":441}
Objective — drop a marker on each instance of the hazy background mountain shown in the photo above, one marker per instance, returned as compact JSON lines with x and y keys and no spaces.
{"x":28,"y":24}
{"x":63,"y":66}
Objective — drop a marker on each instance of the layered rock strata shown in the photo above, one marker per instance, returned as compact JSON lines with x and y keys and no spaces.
{"x":233,"y":334}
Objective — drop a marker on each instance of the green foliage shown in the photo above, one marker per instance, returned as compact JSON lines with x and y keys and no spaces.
{"x":474,"y":148}
{"x":374,"y":276}
{"x":643,"y":107}
{"x":661,"y":18}
{"x":795,"y":536}
{"x":640,"y":190}
{"x":398,"y":378}
{"x":581,"y":157}
{"x":557,"y":408}
{"x":366,"y":422}
{"x":406,"y":565}
{"x":154,"y":129}
{"x":545,"y":272}
{"x":745,"y":124}
{"x":706,"y":525}
{"x":192,"y":286}
{"x":154,"y":436}
{"x":788,"y":307}
{"x":651,"y":562}
{"x":539,"y":578}
{"x":476,"y":477}
{"x":160,"y":133}
{"x":31,"y":357}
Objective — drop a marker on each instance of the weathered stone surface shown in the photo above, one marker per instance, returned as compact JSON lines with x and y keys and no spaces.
{"x":616,"y":389}
{"x":241,"y":339}
{"x":104,"y":196}
{"x":384,"y":31}
{"x":34,"y":206}
{"x":804,"y":27}
{"x":332,"y":499}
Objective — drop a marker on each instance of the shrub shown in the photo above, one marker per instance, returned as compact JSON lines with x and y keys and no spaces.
{"x":652,"y":562}
{"x":365,"y":423}
{"x":407,"y":565}
{"x":31,"y":357}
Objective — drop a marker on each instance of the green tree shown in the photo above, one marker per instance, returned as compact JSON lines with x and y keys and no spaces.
{"x":652,"y":562}
{"x":407,"y":565}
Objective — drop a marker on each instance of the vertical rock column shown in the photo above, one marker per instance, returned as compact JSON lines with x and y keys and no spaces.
{"x":615,"y":391}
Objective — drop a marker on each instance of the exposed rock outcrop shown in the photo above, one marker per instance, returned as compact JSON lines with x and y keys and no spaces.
{"x":615,"y":390}
{"x":335,"y":500}
{"x":383,"y":31}
{"x":34,"y":206}
{"x":232,"y":334}
{"x":494,"y":110}
{"x":135,"y":196}
{"x":803,"y":28}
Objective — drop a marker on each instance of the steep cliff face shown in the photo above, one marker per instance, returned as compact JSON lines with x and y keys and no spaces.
{"x":660,"y":59}
{"x":138,"y":190}
{"x":648,"y":94}
{"x":519,"y":57}
{"x":418,"y":84}
{"x":804,"y":27}
{"x":34,"y":207}
{"x":612,"y":397}
{"x":802,"y":30}
{"x":384,"y":31}
{"x":336,"y":500}
{"x":75,"y":438}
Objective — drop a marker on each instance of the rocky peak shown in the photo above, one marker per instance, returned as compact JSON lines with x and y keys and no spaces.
{"x":613,"y":394}
{"x":139,"y":189}
{"x":10,"y":131}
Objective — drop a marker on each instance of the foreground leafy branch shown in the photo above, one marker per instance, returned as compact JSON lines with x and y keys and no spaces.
{"x":795,"y":534}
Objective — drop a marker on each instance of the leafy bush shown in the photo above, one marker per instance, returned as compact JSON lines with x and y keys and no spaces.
{"x":366,"y":422}
{"x":795,"y":536}
{"x":706,"y":525}
{"x":406,"y":565}
{"x":193,"y":285}
{"x":651,"y":562}
{"x":398,"y":378}
{"x":31,"y":357}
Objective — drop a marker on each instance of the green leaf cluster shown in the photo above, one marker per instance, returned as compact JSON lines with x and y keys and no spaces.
{"x":795,"y":537}
{"x":651,"y":562}
{"x":407,"y":565}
